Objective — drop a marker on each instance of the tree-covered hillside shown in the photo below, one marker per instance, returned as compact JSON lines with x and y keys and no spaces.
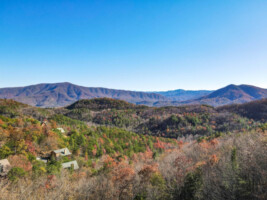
{"x":218,"y":154}
{"x":170,"y":122}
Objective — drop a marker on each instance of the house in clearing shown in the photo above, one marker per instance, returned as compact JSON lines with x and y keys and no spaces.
{"x":72,"y":164}
{"x":57,"y":154}
{"x":4,"y":167}
{"x":60,"y":152}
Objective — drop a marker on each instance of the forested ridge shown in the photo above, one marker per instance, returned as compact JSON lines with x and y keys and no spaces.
{"x":125,"y":151}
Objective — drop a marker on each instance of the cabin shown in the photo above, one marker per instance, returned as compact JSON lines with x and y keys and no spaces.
{"x":61,"y":130}
{"x":72,"y":164}
{"x":43,"y":159}
{"x":57,"y":154}
{"x":4,"y":167}
{"x":60,"y":152}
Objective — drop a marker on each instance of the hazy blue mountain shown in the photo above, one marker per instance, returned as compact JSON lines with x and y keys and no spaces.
{"x":183,"y":95}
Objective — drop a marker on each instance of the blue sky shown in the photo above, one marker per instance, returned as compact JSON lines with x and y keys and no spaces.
{"x":137,"y":45}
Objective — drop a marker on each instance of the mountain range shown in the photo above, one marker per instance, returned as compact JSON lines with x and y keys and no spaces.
{"x":63,"y":94}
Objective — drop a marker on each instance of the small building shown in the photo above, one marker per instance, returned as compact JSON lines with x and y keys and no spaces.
{"x":72,"y":164}
{"x":4,"y":167}
{"x":43,"y":159}
{"x":60,"y":152}
{"x":61,"y":130}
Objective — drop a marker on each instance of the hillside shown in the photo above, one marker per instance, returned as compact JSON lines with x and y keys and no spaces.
{"x":118,"y":155}
{"x":62,"y":94}
{"x":171,"y":122}
{"x":256,"y":110}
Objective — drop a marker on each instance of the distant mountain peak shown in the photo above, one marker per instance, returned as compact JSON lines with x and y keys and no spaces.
{"x":233,"y":94}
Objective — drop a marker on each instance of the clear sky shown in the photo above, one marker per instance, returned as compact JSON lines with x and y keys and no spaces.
{"x":145,"y":45}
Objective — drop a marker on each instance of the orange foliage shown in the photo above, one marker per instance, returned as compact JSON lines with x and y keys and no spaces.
{"x":20,"y":161}
{"x":134,"y":157}
{"x":78,"y":175}
{"x":204,"y":144}
{"x":123,"y":173}
{"x":214,"y":159}
{"x":200,"y":163}
{"x":148,"y":154}
{"x":101,"y":141}
{"x":53,"y":124}
{"x":147,"y":171}
{"x":94,"y":151}
{"x":180,"y":143}
{"x":159,"y":144}
{"x":31,"y":147}
{"x":214,"y":142}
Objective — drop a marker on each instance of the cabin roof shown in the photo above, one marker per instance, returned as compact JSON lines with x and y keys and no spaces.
{"x":63,"y":152}
{"x":68,"y":165}
{"x":4,"y":162}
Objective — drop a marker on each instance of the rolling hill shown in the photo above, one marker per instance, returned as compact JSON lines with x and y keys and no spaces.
{"x":170,"y":122}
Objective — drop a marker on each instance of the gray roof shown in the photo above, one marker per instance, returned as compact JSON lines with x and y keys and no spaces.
{"x":68,"y":165}
{"x":4,"y":167}
{"x":62,"y":151}
{"x":42,"y":159}
{"x":4,"y":162}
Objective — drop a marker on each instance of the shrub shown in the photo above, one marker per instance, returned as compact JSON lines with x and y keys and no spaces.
{"x":15,"y":173}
